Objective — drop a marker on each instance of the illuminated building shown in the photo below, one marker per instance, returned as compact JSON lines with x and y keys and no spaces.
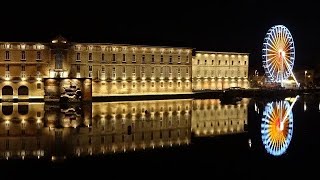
{"x":219,"y":70}
{"x":79,"y":71}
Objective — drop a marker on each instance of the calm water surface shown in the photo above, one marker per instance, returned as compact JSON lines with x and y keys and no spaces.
{"x":253,"y":138}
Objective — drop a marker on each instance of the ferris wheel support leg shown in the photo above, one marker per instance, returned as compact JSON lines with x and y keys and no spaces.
{"x":290,"y":70}
{"x":287,"y":112}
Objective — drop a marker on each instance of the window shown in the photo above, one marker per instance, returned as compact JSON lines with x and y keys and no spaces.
{"x":38,"y":87}
{"x":38,"y":113}
{"x":90,"y":56}
{"x":239,"y":62}
{"x":245,"y":62}
{"x":143,"y":59}
{"x":123,"y":58}
{"x":78,"y":68}
{"x":23,"y":55}
{"x":78,"y":58}
{"x":179,"y":84}
{"x":38,"y":55}
{"x":161,"y":59}
{"x":205,"y":62}
{"x":219,"y":62}
{"x":198,"y":62}
{"x":102,"y":57}
{"x":103,"y":69}
{"x":179,"y":59}
{"x":23,"y":67}
{"x":152,"y":84}
{"x":134,"y":58}
{"x":245,"y":73}
{"x":90,"y":68}
{"x":7,"y":55}
{"x":7,"y":67}
{"x":226,"y":63}
{"x":212,"y":62}
{"x":232,"y":63}
{"x":113,"y":58}
{"x":133,"y":85}
{"x":161,"y":84}
{"x":170,"y":59}
{"x":152,"y":59}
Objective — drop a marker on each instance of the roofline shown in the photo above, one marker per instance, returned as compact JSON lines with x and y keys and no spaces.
{"x":108,"y":44}
{"x":141,"y":45}
{"x":219,"y":52}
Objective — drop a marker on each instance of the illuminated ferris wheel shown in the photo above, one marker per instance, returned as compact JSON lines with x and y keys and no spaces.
{"x":278,"y":54}
{"x":277,"y":127}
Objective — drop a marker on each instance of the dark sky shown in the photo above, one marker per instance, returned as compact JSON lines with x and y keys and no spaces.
{"x":238,"y":26}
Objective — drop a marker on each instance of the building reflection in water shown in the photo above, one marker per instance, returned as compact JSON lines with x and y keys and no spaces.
{"x":38,"y":130}
{"x":277,"y":126}
{"x":210,"y":117}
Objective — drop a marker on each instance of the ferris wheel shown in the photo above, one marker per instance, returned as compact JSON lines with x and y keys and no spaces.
{"x":277,"y":127}
{"x":278,"y":54}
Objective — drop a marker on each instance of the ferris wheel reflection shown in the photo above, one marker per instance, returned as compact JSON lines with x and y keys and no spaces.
{"x":277,"y":126}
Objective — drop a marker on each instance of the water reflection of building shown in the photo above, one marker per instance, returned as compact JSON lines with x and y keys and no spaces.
{"x":37,"y":130}
{"x":22,"y":132}
{"x":209,"y":117}
{"x":58,"y":131}
{"x":127,"y":126}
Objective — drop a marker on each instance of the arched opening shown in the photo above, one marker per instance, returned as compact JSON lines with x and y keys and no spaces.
{"x":23,"y":91}
{"x":7,"y":91}
{"x":23,"y":109}
{"x":7,"y":109}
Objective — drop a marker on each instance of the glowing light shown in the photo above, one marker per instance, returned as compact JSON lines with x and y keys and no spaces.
{"x":277,"y":127}
{"x":278,"y":54}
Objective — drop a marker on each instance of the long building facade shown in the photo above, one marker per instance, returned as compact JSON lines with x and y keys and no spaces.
{"x":81,"y":70}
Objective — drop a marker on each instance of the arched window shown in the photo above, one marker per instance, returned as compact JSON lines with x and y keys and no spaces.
{"x":7,"y":90}
{"x":23,"y":90}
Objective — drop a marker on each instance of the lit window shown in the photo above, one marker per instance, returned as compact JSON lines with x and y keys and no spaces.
{"x":78,"y":57}
{"x":90,"y":56}
{"x":7,"y":54}
{"x":143,"y":59}
{"x":133,"y":58}
{"x":38,"y":87}
{"x":23,"y":55}
{"x":102,"y":57}
{"x":123,"y":58}
{"x":113,"y":58}
{"x":152,"y":59}
{"x":38,"y":55}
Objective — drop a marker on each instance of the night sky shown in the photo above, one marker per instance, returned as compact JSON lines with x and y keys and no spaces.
{"x":237,"y":26}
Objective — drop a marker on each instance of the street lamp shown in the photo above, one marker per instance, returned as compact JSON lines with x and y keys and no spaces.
{"x":305,"y":77}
